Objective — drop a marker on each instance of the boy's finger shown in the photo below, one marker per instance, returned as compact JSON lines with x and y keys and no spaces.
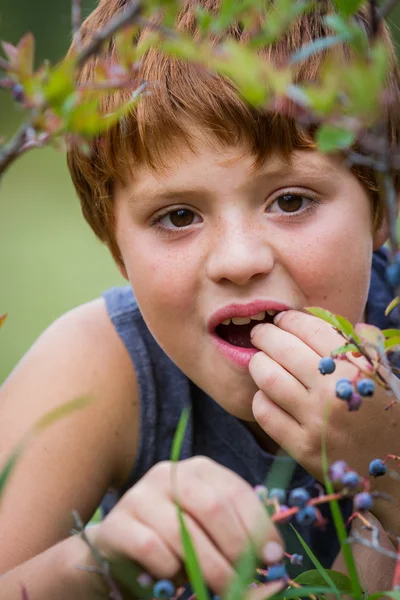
{"x":293,"y":354}
{"x":279,"y":386}
{"x":277,"y":423}
{"x":314,"y":332}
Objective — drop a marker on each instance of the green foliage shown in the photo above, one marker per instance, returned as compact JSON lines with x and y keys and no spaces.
{"x":348,"y":7}
{"x":331,"y":138}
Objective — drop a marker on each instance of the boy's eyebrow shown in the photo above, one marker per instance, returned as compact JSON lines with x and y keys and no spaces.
{"x":311,"y":170}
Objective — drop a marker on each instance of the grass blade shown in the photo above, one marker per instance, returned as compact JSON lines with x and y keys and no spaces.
{"x":338,"y":518}
{"x":9,"y":466}
{"x":317,"y":564}
{"x":190,"y":558}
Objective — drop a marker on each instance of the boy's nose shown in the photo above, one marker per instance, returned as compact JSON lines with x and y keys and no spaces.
{"x":239,"y":256}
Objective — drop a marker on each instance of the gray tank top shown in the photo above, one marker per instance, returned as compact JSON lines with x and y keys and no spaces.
{"x":164,"y":392}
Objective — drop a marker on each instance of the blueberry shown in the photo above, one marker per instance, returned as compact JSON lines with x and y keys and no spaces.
{"x":18,"y":92}
{"x":298,"y":497}
{"x":306,"y":515}
{"x":337,"y":470}
{"x":393,"y":271}
{"x":344,"y":389}
{"x":163,"y":589}
{"x":279,"y":494}
{"x":276,"y":572}
{"x":377,"y":468}
{"x":355,"y":402}
{"x":351,"y":479}
{"x":296,"y":559}
{"x":366,"y":387}
{"x":326,"y":365}
{"x":363,"y":501}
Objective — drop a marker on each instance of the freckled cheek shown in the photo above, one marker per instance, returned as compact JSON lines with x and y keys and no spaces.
{"x":163,"y":281}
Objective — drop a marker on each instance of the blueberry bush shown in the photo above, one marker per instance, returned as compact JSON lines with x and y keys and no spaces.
{"x":58,"y":112}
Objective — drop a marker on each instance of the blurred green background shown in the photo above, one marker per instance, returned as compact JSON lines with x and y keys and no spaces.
{"x":50,"y":259}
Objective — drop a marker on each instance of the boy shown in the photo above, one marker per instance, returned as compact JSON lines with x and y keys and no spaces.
{"x":220,"y":217}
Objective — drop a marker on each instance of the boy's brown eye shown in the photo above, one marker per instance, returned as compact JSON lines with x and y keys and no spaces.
{"x":181,"y":217}
{"x":290,"y":202}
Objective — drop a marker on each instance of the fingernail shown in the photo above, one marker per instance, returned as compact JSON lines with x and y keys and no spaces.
{"x":273,"y":552}
{"x":253,"y":331}
{"x":279,"y":316}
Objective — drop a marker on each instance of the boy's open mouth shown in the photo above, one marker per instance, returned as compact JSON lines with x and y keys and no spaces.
{"x":236,"y":331}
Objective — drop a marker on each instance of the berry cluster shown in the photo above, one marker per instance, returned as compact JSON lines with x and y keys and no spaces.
{"x":351,"y":392}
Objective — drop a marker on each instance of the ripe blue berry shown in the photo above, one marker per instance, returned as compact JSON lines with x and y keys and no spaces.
{"x":18,"y":92}
{"x":306,"y":515}
{"x":377,"y":468}
{"x":296,"y":559}
{"x":393,"y":271}
{"x":344,"y":389}
{"x":337,"y":470}
{"x":355,"y":402}
{"x":298,"y":497}
{"x":363,"y":501}
{"x":163,"y":589}
{"x":366,"y":387}
{"x":276,"y":572}
{"x":326,"y":365}
{"x":279,"y":494}
{"x":351,"y":479}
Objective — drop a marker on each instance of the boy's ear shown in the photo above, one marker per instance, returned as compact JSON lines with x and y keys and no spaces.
{"x":382,"y":233}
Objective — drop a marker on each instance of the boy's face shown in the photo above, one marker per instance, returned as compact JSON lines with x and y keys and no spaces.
{"x":284,"y":236}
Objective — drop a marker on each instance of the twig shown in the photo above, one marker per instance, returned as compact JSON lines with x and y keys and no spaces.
{"x":122,"y":18}
{"x":359,"y":539}
{"x":76,"y":22}
{"x":10,"y":151}
{"x":387,"y":8}
{"x":103,"y":567}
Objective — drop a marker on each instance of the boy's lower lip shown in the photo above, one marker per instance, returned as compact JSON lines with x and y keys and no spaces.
{"x":239,"y":356}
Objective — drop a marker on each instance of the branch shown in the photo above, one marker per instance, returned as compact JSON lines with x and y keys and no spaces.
{"x":76,"y":22}
{"x":387,"y":8}
{"x":124,"y":17}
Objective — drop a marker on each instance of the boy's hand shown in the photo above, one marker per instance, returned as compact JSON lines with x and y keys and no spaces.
{"x":291,"y":403}
{"x":221,"y":511}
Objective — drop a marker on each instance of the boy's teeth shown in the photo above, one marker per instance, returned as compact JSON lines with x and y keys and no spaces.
{"x":259,"y":316}
{"x":246,"y":320}
{"x":241,"y":320}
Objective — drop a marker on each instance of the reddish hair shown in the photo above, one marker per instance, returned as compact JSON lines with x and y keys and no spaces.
{"x":186,"y":95}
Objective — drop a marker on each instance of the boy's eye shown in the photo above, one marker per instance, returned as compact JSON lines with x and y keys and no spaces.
{"x":181,"y":217}
{"x":290,"y":203}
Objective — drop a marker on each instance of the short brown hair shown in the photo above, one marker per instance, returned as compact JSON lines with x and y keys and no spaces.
{"x":187,"y":94}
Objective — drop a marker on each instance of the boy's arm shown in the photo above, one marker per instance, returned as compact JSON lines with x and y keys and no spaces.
{"x":72,"y":463}
{"x":375,"y":570}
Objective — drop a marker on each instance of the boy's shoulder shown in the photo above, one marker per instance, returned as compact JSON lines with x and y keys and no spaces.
{"x":81,"y":355}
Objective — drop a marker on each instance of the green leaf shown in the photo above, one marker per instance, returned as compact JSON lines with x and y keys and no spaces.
{"x":26,"y":51}
{"x":323,"y":575}
{"x":380,"y":595}
{"x":344,"y":349}
{"x":395,"y":302}
{"x":391,"y":343}
{"x":348,"y":7}
{"x":341,"y":582}
{"x":369,"y":334}
{"x":389,"y":333}
{"x":324,"y":314}
{"x":179,"y":435}
{"x":127,"y":573}
{"x":331,"y":138}
{"x":301,"y":592}
{"x":191,"y":561}
{"x":345,"y":326}
{"x":60,"y":84}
